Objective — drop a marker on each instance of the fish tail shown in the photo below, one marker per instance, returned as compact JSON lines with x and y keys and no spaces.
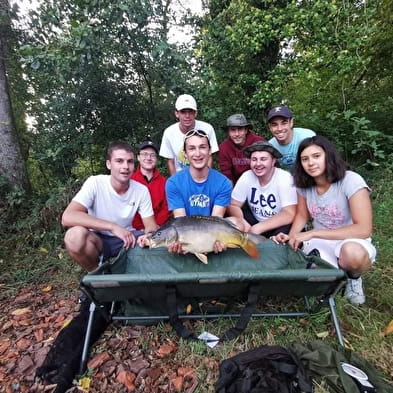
{"x":250,"y":248}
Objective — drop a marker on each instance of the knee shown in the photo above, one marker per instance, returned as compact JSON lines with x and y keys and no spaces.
{"x":354,"y":256}
{"x":75,"y":238}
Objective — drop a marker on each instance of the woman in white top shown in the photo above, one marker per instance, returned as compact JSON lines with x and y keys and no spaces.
{"x":338,"y":202}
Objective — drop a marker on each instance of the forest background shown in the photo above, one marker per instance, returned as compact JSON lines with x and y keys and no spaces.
{"x":77,"y":74}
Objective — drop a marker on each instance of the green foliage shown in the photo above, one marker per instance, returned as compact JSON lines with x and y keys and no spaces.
{"x":100,"y":74}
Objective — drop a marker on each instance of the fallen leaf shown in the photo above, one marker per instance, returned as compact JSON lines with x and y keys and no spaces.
{"x":323,"y":334}
{"x":388,"y":329}
{"x":48,"y":288}
{"x":178,"y":383}
{"x":98,"y":360}
{"x":21,"y":311}
{"x":186,"y":371}
{"x":23,"y":344}
{"x":39,"y":335}
{"x":43,"y":250}
{"x":84,"y":383}
{"x":127,"y":378}
{"x":4,"y":345}
{"x":165,"y":350}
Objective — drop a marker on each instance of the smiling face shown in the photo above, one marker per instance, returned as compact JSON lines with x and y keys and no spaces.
{"x":282,"y":129}
{"x":237,"y":135}
{"x":186,"y":119}
{"x":262,"y":164}
{"x":121,"y":165}
{"x":313,"y":160}
{"x":147,"y":158}
{"x":197,"y":151}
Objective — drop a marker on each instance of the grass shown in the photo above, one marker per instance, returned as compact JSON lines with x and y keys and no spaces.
{"x":36,"y":257}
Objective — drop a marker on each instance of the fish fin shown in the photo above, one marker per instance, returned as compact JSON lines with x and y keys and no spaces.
{"x":201,"y":257}
{"x":251,"y":249}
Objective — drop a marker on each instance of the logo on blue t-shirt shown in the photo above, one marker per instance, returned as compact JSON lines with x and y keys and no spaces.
{"x":199,"y":200}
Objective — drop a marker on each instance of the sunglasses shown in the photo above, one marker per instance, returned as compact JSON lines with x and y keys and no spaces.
{"x":191,"y":133}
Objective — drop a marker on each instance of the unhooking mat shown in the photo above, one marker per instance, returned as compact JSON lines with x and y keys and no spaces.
{"x":144,"y":275}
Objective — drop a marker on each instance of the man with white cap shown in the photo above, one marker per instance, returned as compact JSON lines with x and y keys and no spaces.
{"x":286,"y":139}
{"x":173,"y":138}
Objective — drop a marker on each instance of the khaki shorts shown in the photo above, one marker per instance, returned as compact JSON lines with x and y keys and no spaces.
{"x":330,"y":249}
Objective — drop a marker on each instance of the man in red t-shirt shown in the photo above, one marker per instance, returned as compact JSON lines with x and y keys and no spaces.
{"x":231,"y":158}
{"x":147,"y":174}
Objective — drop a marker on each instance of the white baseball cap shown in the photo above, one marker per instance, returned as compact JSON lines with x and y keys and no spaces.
{"x":185,"y":101}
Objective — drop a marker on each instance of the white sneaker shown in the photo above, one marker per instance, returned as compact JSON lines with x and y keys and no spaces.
{"x":354,"y":291}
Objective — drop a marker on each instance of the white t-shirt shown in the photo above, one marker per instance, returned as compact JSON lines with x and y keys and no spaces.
{"x":102,"y":201}
{"x":173,"y":142}
{"x":331,"y":209}
{"x":266,"y":201}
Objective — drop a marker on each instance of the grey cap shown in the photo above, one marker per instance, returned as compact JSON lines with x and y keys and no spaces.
{"x":237,"y":120}
{"x":262,"y":146}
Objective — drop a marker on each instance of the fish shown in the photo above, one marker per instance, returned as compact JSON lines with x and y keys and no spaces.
{"x":198,"y":234}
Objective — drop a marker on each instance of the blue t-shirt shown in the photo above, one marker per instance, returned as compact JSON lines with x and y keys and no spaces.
{"x":289,"y":151}
{"x":182,"y":191}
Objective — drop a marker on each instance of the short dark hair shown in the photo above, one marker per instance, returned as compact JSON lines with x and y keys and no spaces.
{"x":335,"y":165}
{"x":193,"y":132}
{"x":118,"y":145}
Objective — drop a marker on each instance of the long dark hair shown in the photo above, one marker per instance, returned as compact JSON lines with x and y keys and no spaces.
{"x":335,"y":165}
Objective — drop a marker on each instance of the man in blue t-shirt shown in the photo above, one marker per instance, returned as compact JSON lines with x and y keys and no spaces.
{"x":286,"y":139}
{"x":198,"y":189}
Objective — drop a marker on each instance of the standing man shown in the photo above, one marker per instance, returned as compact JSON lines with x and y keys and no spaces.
{"x":231,"y":158}
{"x":147,"y":173}
{"x":269,"y":192}
{"x":172,"y":140}
{"x":286,"y":139}
{"x":99,"y":216}
{"x":198,"y":189}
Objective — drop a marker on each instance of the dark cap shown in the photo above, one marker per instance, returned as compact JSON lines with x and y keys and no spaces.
{"x":145,"y":144}
{"x":237,"y":120}
{"x":262,"y":146}
{"x":281,"y":110}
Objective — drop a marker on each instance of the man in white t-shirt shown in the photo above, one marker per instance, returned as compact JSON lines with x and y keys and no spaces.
{"x":286,"y":139}
{"x":269,"y":192}
{"x":173,"y":137}
{"x":99,"y":216}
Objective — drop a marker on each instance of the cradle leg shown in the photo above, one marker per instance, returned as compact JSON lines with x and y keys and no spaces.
{"x":332,"y":306}
{"x":86,"y":344}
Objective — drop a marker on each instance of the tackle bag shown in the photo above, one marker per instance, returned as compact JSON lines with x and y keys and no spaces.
{"x":266,"y":369}
{"x":324,"y":362}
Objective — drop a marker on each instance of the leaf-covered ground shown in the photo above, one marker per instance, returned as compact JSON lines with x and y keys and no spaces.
{"x":126,"y":359}
{"x":135,"y":358}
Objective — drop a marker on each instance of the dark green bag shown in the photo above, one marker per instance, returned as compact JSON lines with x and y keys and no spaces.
{"x":323,"y":362}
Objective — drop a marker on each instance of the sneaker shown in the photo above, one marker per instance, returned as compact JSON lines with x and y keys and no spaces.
{"x":354,"y":291}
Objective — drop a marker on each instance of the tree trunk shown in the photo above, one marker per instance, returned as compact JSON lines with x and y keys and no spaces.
{"x":12,"y":165}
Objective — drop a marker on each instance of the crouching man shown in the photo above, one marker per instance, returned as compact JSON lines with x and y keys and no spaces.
{"x":99,"y":216}
{"x":269,"y":192}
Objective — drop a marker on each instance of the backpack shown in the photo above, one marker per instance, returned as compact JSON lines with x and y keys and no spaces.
{"x":266,"y":369}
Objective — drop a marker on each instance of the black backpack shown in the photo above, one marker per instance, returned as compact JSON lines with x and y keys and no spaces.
{"x":266,"y":369}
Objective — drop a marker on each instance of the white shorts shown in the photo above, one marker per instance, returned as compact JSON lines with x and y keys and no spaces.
{"x":330,"y":249}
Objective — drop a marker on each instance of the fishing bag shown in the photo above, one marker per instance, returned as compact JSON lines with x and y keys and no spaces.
{"x":324,"y":363}
{"x":266,"y":369}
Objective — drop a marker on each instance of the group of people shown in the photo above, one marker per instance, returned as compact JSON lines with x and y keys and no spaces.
{"x":273,"y":188}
